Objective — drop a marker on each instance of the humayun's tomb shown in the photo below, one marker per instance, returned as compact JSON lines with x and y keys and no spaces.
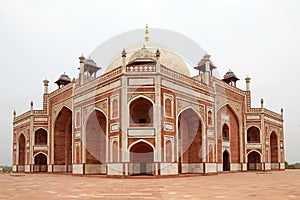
{"x":146,"y":115}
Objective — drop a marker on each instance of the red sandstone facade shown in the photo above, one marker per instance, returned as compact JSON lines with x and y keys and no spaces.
{"x":144,"y":116}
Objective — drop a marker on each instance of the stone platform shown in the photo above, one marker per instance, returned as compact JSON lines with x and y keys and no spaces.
{"x":247,"y":185}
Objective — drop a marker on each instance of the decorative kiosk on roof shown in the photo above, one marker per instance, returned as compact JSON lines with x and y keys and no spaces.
{"x":147,"y":116}
{"x":63,"y":80}
{"x":230,"y":78}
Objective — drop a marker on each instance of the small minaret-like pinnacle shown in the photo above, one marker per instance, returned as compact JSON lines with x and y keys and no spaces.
{"x":247,"y":79}
{"x":31,"y":105}
{"x":206,"y":56}
{"x":157,"y":53}
{"x":81,"y":58}
{"x":146,"y":34}
{"x":46,"y":82}
{"x":14,"y":113}
{"x":124,"y":53}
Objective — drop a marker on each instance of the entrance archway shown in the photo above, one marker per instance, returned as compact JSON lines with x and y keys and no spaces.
{"x":189,"y":139}
{"x":226,"y":161}
{"x":22,"y":150}
{"x":63,"y":139}
{"x":142,"y":158}
{"x":254,"y":161}
{"x":40,"y":163}
{"x":274,"y":150}
{"x":228,"y":135}
{"x":96,"y":138}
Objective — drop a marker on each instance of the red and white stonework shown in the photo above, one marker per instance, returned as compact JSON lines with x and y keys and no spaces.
{"x":146,"y":115}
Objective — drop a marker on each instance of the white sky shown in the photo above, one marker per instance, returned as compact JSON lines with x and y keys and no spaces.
{"x":43,"y":39}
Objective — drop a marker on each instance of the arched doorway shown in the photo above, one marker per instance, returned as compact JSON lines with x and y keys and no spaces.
{"x":228,"y":136}
{"x":63,"y":139}
{"x":274,"y":150}
{"x":22,"y":150}
{"x":141,"y":158}
{"x":254,"y":161}
{"x":226,"y":161}
{"x":40,"y":137}
{"x":96,"y":138}
{"x":40,"y":163}
{"x":141,"y":112}
{"x":189,"y":140}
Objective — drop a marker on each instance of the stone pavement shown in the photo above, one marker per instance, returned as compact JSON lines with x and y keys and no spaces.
{"x":246,"y":185}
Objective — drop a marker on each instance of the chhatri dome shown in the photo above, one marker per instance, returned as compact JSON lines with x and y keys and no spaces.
{"x":146,"y":52}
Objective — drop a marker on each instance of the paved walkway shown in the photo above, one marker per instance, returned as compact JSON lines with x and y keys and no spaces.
{"x":248,"y":185}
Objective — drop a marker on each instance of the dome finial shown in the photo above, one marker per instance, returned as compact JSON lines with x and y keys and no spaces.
{"x":146,"y":34}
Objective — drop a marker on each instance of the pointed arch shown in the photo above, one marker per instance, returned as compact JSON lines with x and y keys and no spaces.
{"x":62,"y":145}
{"x":141,"y":158}
{"x":40,"y":162}
{"x":274,"y":147}
{"x":253,"y":134}
{"x":226,"y":160}
{"x":141,"y":140}
{"x":40,"y":152}
{"x":254,"y":160}
{"x":190,"y":137}
{"x":58,"y":112}
{"x":226,"y":114}
{"x":140,"y":96}
{"x":22,"y":149}
{"x":95,"y":137}
{"x":141,"y":111}
{"x":231,"y":108}
{"x":41,"y":137}
{"x":225,"y":132}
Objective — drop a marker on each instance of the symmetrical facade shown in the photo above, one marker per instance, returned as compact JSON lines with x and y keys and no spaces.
{"x":146,"y":115}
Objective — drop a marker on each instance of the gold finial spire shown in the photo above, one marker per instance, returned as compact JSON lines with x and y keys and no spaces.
{"x":146,"y":34}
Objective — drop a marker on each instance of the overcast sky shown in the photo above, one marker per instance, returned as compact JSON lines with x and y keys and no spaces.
{"x":43,"y":39}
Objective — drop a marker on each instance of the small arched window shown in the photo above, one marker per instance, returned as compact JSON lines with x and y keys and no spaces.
{"x":225,"y":132}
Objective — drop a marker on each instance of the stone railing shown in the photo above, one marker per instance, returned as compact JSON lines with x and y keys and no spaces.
{"x":39,"y":112}
{"x":184,"y":78}
{"x":265,"y":111}
{"x":254,"y":110}
{"x":22,"y":116}
{"x":272,"y":114}
{"x":230,"y":87}
{"x":60,"y":90}
{"x":141,"y":68}
{"x":105,"y":77}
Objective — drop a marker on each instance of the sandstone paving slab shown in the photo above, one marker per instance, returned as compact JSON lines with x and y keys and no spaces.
{"x":246,"y":185}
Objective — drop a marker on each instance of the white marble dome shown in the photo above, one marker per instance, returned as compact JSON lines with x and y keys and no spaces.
{"x":146,"y":51}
